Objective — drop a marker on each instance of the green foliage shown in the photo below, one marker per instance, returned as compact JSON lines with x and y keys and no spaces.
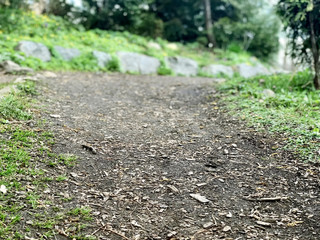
{"x":28,"y":88}
{"x":27,"y":23}
{"x":293,"y":113}
{"x":249,"y":23}
{"x":150,"y":26}
{"x":113,"y":65}
{"x":116,"y":15}
{"x":162,"y":70}
{"x":23,"y":155}
{"x":13,"y":4}
{"x":253,"y":30}
{"x":32,"y":28}
{"x":12,"y":107}
{"x":67,"y":159}
{"x":301,"y":19}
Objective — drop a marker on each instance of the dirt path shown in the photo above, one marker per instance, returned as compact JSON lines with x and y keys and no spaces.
{"x":155,"y":142}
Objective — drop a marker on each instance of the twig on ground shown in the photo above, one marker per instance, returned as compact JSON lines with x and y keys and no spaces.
{"x":271,"y":199}
{"x":214,"y":219}
{"x":99,"y":229}
{"x":115,"y":232}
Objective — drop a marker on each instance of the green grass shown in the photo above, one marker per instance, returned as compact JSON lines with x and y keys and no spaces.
{"x":26,"y":174}
{"x":12,"y":107}
{"x":51,"y":31}
{"x":294,"y":112}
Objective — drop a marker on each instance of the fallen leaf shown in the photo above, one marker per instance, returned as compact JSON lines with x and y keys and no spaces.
{"x":200,"y":198}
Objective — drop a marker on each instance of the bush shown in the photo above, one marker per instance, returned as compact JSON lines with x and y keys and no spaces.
{"x":150,"y":26}
{"x":259,"y":36}
{"x":113,"y":65}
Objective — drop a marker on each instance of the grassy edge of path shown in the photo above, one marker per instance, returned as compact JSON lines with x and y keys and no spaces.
{"x":32,"y":174}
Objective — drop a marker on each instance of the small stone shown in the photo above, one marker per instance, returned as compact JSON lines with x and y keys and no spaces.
{"x":96,"y":213}
{"x":268,"y":93}
{"x":207,"y":225}
{"x":47,"y":191}
{"x":226,"y":229}
{"x":29,"y":222}
{"x":49,"y":74}
{"x":171,"y":234}
{"x":229,"y":215}
{"x":74,"y":175}
{"x":12,"y":67}
{"x":135,"y":224}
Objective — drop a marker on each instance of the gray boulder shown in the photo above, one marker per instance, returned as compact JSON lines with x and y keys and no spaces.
{"x":102,"y":58}
{"x":138,"y":63}
{"x":183,"y":66}
{"x":12,"y":67}
{"x":218,"y":69}
{"x":33,"y":49}
{"x":248,"y":71}
{"x":67,"y":54}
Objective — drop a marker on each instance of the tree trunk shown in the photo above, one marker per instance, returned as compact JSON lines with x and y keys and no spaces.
{"x":315,"y":53}
{"x":209,"y":24}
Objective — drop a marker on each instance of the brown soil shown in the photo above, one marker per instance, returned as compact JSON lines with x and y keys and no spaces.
{"x":145,"y":144}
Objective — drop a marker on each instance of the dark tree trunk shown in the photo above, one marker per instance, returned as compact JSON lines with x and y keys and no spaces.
{"x":209,"y":24}
{"x":315,"y":53}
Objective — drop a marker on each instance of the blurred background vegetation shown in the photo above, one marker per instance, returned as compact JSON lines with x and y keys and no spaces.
{"x":247,"y":25}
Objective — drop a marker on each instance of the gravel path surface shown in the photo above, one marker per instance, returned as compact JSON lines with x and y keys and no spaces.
{"x":158,"y":159}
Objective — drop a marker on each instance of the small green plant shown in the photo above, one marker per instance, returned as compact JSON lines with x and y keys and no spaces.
{"x":164,"y":71}
{"x":24,"y":155}
{"x":67,"y":159}
{"x":12,"y":107}
{"x":113,"y":65}
{"x":46,"y":224}
{"x":33,"y":199}
{"x":61,"y":178}
{"x":83,"y":212}
{"x":28,"y":87}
